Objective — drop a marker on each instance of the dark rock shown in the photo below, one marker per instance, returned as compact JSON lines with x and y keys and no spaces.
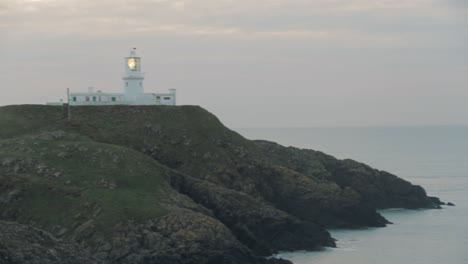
{"x":9,"y":196}
{"x":180,"y":237}
{"x":307,"y":198}
{"x":378,"y":189}
{"x":450,"y":204}
{"x":260,"y":226}
{"x":61,"y":232}
{"x":437,"y":202}
{"x":277,"y":261}
{"x":21,"y":244}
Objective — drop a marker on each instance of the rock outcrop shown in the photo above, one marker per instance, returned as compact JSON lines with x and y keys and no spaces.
{"x":21,"y":244}
{"x":377,"y":189}
{"x":257,"y":224}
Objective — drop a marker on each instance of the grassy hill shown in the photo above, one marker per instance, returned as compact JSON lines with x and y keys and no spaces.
{"x":166,"y":184}
{"x":62,"y":176}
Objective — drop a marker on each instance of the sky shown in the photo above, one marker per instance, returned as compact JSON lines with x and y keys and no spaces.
{"x":253,"y":63}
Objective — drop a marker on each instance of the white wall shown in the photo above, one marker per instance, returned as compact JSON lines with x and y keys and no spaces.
{"x":106,"y":99}
{"x":96,"y":99}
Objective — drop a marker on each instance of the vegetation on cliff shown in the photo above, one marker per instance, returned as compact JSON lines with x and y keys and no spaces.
{"x":161,"y":184}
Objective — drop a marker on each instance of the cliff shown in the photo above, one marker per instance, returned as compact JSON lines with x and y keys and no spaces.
{"x":165,"y":184}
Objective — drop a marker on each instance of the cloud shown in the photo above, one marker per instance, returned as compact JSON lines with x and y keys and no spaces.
{"x":246,"y":14}
{"x":369,"y":22}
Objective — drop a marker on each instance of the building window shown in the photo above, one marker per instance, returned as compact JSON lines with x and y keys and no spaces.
{"x":87,"y":98}
{"x":74,"y":98}
{"x":113,"y":99}
{"x":167,"y":98}
{"x":141,"y":84}
{"x":158,"y":97}
{"x":94,"y":98}
{"x":126,"y":84}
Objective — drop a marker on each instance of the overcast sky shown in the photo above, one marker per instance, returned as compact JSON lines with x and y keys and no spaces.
{"x":250,"y":62}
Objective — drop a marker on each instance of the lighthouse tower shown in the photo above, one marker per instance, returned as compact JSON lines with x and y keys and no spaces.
{"x":133,"y":78}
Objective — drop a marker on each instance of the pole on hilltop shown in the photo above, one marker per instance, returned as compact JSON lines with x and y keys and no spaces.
{"x":68,"y":105}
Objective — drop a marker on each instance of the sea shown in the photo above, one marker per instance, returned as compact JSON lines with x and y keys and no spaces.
{"x":435,"y":157}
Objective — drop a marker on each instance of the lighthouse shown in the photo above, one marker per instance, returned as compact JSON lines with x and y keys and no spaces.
{"x":133,"y":92}
{"x":133,"y":79}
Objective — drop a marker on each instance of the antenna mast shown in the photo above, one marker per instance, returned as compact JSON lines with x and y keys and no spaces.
{"x":68,"y":105}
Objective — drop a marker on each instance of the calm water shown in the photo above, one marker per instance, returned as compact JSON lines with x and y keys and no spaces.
{"x":434,"y":157}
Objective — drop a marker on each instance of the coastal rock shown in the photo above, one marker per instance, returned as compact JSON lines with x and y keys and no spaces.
{"x":258,"y":225}
{"x":378,"y":189}
{"x":180,"y":237}
{"x":310,"y":199}
{"x":21,"y":244}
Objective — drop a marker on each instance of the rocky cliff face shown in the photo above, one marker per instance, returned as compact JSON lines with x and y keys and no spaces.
{"x":377,"y":189}
{"x":137,"y":184}
{"x":21,"y":244}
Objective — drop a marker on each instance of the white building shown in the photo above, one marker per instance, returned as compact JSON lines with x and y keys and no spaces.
{"x":133,"y":93}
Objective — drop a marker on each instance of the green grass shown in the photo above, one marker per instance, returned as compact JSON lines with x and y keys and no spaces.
{"x":124,"y":204}
{"x":47,"y":205}
{"x":86,"y":169}
{"x":23,"y":119}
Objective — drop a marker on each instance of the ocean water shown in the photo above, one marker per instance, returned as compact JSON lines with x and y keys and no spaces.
{"x":433,"y":157}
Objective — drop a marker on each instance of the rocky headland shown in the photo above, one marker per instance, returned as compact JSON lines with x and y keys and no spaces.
{"x":171,"y":184}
